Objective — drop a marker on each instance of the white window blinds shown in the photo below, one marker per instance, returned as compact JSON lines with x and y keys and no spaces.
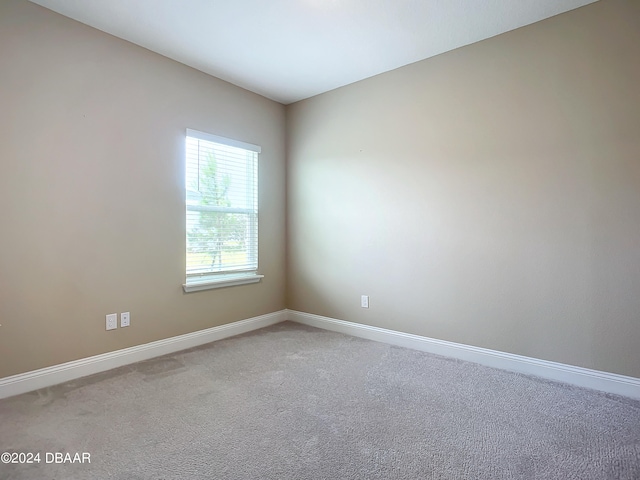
{"x":222,"y":205}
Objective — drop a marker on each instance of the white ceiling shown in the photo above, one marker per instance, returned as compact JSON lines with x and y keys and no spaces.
{"x":288,"y":50}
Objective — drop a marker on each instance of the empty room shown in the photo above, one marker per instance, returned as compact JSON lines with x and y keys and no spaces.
{"x":320,"y":239}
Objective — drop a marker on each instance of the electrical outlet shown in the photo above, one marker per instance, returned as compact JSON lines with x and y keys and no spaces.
{"x":364,"y":301}
{"x":112,"y":321}
{"x":125,"y":319}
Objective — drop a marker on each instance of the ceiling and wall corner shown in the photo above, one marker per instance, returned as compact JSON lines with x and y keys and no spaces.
{"x":290,"y":50}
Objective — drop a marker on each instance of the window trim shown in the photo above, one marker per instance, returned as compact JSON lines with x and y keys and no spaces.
{"x":208,"y":281}
{"x":230,"y":142}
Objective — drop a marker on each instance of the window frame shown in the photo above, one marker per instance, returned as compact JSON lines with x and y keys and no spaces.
{"x":209,"y":280}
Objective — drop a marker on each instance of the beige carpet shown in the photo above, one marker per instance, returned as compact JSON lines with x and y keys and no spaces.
{"x":292,"y":402}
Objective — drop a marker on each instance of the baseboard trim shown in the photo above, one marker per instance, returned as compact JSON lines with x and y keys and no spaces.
{"x":581,"y":377}
{"x":46,"y":377}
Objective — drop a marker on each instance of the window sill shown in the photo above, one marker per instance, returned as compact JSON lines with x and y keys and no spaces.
{"x":220,"y":282}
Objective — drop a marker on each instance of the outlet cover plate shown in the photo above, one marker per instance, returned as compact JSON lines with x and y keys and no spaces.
{"x":125,"y":319}
{"x":112,"y":321}
{"x":364,"y":301}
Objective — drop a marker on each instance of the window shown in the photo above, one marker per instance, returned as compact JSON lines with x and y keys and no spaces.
{"x":222,"y":212}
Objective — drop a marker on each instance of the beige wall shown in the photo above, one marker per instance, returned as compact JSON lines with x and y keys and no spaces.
{"x":92,"y":191}
{"x":488,"y":196}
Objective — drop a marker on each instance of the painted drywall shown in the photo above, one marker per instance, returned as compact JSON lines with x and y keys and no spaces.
{"x":488,"y":196}
{"x":92,"y":191}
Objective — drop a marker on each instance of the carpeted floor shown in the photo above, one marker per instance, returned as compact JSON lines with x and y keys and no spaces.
{"x":293,"y":402}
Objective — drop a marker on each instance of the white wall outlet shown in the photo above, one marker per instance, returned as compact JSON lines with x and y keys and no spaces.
{"x":112,"y":321}
{"x":125,"y":319}
{"x":364,"y":301}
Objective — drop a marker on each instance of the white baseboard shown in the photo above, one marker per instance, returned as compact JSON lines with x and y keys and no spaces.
{"x":46,"y":377}
{"x":582,"y":377}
